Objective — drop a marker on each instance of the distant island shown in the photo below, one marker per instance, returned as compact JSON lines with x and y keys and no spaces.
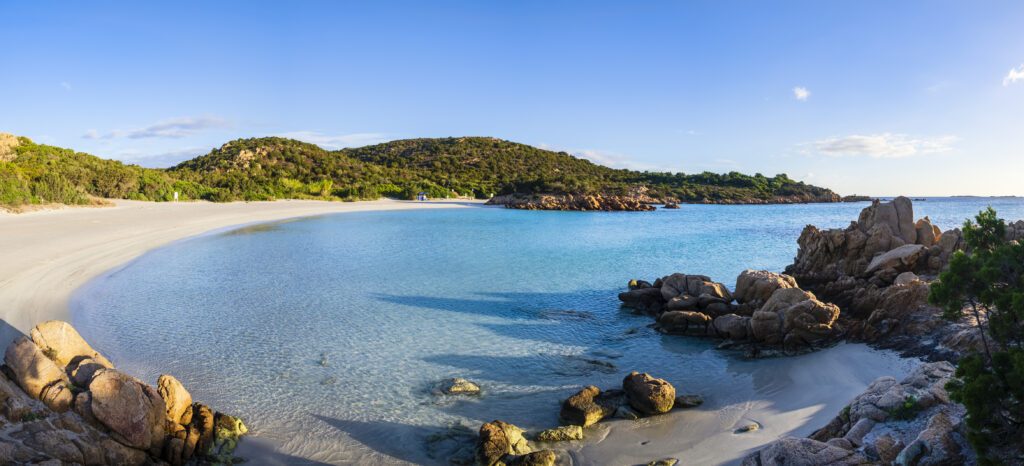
{"x":258,"y":169}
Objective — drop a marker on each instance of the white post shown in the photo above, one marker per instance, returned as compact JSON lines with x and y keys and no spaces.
{"x":175,"y":196}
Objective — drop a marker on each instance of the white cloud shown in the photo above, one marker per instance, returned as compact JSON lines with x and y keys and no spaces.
{"x":66,"y":86}
{"x":1015,"y":74}
{"x":886,"y":145}
{"x":91,"y":134}
{"x":336,"y":142}
{"x":801,"y":93}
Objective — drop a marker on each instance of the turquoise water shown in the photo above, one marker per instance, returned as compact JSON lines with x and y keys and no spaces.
{"x":522,"y":302}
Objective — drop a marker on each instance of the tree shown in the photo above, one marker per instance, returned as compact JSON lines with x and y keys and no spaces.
{"x":988,"y":283}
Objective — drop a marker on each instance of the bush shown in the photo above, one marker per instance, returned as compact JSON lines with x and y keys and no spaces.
{"x":906,"y":411}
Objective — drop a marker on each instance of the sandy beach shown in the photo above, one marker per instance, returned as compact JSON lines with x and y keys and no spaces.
{"x":47,"y":254}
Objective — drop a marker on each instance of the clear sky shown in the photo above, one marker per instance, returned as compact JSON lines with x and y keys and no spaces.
{"x":880,"y":98}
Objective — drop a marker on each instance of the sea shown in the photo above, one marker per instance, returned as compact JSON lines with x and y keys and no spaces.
{"x":326,"y":334}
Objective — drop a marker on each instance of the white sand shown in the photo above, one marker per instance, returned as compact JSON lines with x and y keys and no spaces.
{"x":47,"y":254}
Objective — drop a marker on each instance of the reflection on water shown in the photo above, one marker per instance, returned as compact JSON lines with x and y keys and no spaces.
{"x":523,"y":303}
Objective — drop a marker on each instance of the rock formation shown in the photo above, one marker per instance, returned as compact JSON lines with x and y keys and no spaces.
{"x":585,"y":202}
{"x":64,"y":401}
{"x":503,"y":443}
{"x":908,"y":422}
{"x":868,"y":282}
{"x":878,"y":271}
{"x":767,"y":309}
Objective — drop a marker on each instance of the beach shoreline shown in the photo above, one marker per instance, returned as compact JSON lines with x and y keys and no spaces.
{"x":48,"y":254}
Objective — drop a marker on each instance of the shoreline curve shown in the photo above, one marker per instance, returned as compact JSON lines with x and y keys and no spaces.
{"x":47,"y":255}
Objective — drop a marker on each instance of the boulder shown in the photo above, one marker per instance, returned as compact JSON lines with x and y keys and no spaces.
{"x":682,"y":303}
{"x":647,"y":394}
{"x":682,"y":320}
{"x":84,"y":370}
{"x":175,"y":397}
{"x":766,"y":327}
{"x":132,"y":410}
{"x":756,"y":286}
{"x":927,"y":234}
{"x":586,"y":407}
{"x":803,"y":451}
{"x":902,"y":258}
{"x":498,"y":439}
{"x":65,"y":341}
{"x":37,"y":375}
{"x":643,"y":299}
{"x":693,"y":285}
{"x":202,"y":421}
{"x":732,"y":326}
{"x":906,"y":277}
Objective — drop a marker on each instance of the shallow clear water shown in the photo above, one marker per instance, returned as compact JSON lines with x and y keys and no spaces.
{"x":522,"y":302}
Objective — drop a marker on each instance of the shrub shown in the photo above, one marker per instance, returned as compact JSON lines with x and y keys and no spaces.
{"x":988,"y":284}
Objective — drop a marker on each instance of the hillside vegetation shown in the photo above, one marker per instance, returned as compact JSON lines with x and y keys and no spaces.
{"x":278,"y":168}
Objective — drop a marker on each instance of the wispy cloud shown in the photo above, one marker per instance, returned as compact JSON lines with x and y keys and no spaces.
{"x":1015,"y":74}
{"x":801,"y":93}
{"x":608,"y":159}
{"x":66,"y":86}
{"x":171,"y":128}
{"x":336,"y":141}
{"x":886,"y":145}
{"x":176,"y":128}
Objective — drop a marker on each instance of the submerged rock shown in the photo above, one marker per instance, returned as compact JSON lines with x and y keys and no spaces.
{"x":456,"y":386}
{"x":688,"y":401}
{"x":560,"y":434}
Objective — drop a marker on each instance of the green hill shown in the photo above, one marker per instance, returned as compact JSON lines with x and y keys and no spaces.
{"x":278,"y":168}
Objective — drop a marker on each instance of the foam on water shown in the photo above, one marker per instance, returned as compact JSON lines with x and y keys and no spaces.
{"x":522,"y":302}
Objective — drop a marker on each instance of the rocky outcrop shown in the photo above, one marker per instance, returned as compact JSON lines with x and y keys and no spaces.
{"x":584,"y":202}
{"x":878,"y":271}
{"x":99,"y":415}
{"x":884,"y":239}
{"x":906,"y":422}
{"x":8,"y":142}
{"x":769,"y":310}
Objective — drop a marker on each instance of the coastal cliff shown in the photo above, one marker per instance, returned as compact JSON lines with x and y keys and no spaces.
{"x":61,"y":400}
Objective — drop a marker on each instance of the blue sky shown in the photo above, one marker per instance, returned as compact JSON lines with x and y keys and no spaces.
{"x":881,"y":98}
